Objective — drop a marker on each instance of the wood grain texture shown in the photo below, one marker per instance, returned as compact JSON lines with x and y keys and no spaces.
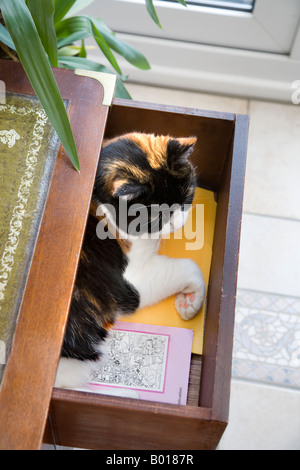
{"x":100,"y":422}
{"x":30,"y":372}
{"x":194,"y":381}
{"x":219,"y":327}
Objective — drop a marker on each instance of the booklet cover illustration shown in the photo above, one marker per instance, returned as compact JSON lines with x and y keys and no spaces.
{"x":147,"y":362}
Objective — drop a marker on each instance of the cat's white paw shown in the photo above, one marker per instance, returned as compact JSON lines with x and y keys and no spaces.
{"x":190,"y":300}
{"x":188,"y":304}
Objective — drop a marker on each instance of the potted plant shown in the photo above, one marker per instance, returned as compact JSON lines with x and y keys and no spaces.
{"x":42,"y":34}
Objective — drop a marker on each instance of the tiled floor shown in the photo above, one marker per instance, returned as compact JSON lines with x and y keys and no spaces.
{"x":265,"y":399}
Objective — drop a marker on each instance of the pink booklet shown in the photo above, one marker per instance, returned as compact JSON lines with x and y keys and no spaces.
{"x":147,"y":362}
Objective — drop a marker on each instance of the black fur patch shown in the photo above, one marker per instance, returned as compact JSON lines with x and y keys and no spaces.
{"x":100,"y":293}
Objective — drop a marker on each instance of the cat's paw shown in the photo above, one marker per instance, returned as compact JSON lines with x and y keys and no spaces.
{"x":188,"y":304}
{"x":190,"y":300}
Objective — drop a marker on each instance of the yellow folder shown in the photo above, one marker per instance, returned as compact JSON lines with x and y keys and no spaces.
{"x":194,"y":241}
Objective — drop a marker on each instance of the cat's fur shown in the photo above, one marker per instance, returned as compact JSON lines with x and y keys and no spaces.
{"x":117,"y":276}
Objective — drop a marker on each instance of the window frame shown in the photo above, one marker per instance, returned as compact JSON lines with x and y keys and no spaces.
{"x":227,"y":4}
{"x":201,"y":67}
{"x":256,"y":31}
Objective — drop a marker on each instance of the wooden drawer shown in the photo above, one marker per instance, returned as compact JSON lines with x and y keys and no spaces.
{"x":93,"y":421}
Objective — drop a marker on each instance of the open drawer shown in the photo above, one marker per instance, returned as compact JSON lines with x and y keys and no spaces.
{"x":91,"y":421}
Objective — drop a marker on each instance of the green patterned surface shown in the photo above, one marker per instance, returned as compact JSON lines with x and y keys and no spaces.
{"x":28,"y":148}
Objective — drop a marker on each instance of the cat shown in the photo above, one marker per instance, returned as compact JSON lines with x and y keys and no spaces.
{"x":120,"y":269}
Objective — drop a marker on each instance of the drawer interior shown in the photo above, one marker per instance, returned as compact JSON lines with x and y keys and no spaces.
{"x":90,"y":420}
{"x":212,"y":160}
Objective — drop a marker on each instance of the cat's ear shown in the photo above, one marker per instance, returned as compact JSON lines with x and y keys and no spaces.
{"x":129,"y":190}
{"x":180,"y":149}
{"x":187,"y":145}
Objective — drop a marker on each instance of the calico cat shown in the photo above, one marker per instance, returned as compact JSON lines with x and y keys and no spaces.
{"x":120,"y":269}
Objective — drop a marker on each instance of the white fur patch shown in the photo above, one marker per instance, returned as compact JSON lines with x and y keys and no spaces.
{"x":176,"y":222}
{"x":72,"y":373}
{"x":158,"y":277}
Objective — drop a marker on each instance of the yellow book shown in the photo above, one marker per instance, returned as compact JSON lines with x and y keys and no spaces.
{"x":194,"y":241}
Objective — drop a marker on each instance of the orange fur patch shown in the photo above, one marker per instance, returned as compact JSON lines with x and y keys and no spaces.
{"x":93,"y":208}
{"x":119,"y":172}
{"x":108,"y":325}
{"x":187,"y":140}
{"x":155,"y":147}
{"x":117,"y":184}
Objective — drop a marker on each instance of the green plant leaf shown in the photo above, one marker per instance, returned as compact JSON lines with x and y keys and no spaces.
{"x":105,"y":49}
{"x":6,"y":38}
{"x":182,"y":2}
{"x":129,"y":53}
{"x":61,"y":8}
{"x":69,"y":40}
{"x":82,"y":52}
{"x":43,"y":14}
{"x":152,"y":12}
{"x":75,"y":25}
{"x":69,"y":51}
{"x":36,"y":65}
{"x":81,"y":63}
{"x":81,"y":27}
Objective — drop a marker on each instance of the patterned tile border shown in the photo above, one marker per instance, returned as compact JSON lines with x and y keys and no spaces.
{"x":267,"y":338}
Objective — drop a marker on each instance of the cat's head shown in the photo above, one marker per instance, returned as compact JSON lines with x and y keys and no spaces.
{"x":147,"y":182}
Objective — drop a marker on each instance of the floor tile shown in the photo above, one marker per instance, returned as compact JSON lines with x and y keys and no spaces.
{"x":267,"y":338}
{"x":273,"y":163}
{"x":187,"y":99}
{"x":262,"y":418}
{"x":270,"y":255}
